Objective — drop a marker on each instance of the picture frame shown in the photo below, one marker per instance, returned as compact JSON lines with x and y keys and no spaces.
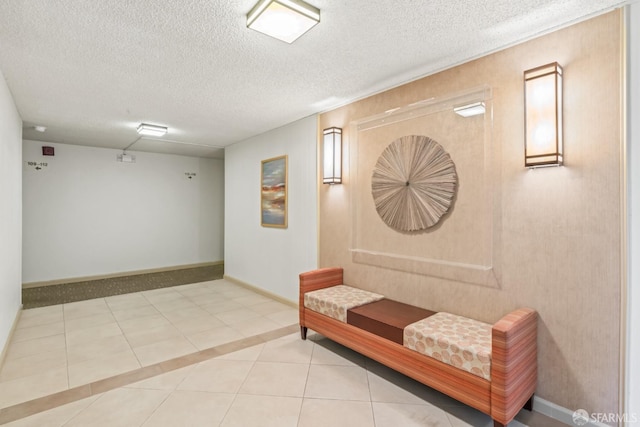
{"x":274,"y":192}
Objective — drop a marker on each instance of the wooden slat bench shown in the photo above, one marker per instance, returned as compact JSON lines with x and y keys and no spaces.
{"x":373,"y":330}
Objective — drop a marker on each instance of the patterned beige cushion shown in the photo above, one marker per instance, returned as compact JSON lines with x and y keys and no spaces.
{"x":455,"y":340}
{"x":336,"y":300}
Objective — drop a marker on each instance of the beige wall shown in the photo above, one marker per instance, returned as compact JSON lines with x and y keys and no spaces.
{"x":553,"y":236}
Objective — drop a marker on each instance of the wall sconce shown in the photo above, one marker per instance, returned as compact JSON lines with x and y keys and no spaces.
{"x":332,"y":159}
{"x":543,"y":116}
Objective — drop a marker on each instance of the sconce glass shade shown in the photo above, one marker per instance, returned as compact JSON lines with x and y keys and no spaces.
{"x":284,"y":20}
{"x":332,"y":158}
{"x":543,"y":144}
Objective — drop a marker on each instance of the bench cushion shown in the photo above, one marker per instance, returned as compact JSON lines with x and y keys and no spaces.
{"x":336,"y":300}
{"x":455,"y":340}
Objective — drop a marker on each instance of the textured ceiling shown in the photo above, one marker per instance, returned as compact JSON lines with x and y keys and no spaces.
{"x":91,"y":71}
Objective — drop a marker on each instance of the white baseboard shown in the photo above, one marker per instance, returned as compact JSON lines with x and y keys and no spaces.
{"x":560,"y":413}
{"x":3,"y":354}
{"x":258,"y":290}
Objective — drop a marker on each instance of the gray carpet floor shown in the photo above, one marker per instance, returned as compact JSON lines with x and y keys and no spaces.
{"x":80,"y":291}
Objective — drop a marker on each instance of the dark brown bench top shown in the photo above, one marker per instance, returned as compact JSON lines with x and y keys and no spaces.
{"x":386,"y":318}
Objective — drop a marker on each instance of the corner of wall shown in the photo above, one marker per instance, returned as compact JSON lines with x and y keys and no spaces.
{"x":10,"y":212}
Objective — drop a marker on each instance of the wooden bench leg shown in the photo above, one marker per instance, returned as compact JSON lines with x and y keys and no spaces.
{"x":303,"y":332}
{"x":529,"y":405}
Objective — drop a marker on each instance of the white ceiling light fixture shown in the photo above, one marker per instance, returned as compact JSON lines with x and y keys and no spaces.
{"x":284,"y":20}
{"x":470,"y":110}
{"x":151,"y":130}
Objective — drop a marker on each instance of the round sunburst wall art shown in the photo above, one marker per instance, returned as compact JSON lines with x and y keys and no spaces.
{"x":413,"y":183}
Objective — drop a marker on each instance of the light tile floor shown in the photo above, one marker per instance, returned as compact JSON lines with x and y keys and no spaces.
{"x":277,"y":382}
{"x":63,"y":346}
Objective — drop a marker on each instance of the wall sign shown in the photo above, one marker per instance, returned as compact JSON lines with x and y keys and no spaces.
{"x":37,"y":165}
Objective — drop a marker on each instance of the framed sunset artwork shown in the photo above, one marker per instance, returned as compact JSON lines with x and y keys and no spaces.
{"x":273,"y":192}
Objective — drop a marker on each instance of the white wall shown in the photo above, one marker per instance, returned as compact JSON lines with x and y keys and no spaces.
{"x":10,"y":211}
{"x":86,"y":214}
{"x":272,"y":258}
{"x":633,"y":333}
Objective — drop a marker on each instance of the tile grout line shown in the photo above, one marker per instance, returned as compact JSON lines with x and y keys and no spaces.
{"x":237,"y":392}
{"x":32,"y":407}
{"x":184,"y":334}
{"x":125,"y":335}
{"x":366,"y":373}
{"x":306,"y":381}
{"x":66,"y":351}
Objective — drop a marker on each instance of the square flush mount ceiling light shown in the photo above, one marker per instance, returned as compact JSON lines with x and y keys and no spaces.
{"x":151,"y":130}
{"x":284,"y":20}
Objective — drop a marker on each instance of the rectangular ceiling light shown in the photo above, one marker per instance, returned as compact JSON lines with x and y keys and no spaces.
{"x":151,"y":130}
{"x":284,"y":20}
{"x":470,"y":110}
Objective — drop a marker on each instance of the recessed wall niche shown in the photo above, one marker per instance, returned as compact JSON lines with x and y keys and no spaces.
{"x":461,"y":245}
